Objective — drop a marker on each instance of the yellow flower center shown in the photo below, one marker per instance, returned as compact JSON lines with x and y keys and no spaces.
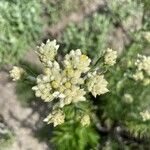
{"x":55,"y":84}
{"x":62,"y":88}
{"x":68,"y":85}
{"x":47,"y":71}
{"x":69,"y":72}
{"x":83,"y":57}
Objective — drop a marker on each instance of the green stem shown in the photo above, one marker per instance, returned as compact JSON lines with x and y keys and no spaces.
{"x":94,"y":66}
{"x":31,"y":78}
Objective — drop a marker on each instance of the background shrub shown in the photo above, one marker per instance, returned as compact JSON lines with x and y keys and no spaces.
{"x":20,"y":26}
{"x":92,"y":36}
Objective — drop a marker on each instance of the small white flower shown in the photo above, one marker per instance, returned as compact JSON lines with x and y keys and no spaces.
{"x":76,"y":60}
{"x":145,"y":115}
{"x":43,"y":89}
{"x":97,"y":84}
{"x":127,"y":98}
{"x":110,"y":57}
{"x":48,"y":51}
{"x":56,"y":94}
{"x":74,"y":94}
{"x":16,"y":73}
{"x":147,"y":36}
{"x":138,"y":76}
{"x":85,"y":120}
{"x":62,"y":96}
{"x":143,"y":63}
{"x":146,"y":81}
{"x":56,"y":117}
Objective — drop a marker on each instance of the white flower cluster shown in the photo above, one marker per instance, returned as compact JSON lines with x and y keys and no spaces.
{"x":63,"y":83}
{"x":85,"y":120}
{"x":48,"y":51}
{"x":16,"y":73}
{"x":145,"y":115}
{"x":146,"y":81}
{"x":96,"y":84}
{"x":110,"y":57}
{"x":68,"y":82}
{"x":143,"y":67}
{"x":143,"y":63}
{"x":56,"y":117}
{"x":138,"y":76}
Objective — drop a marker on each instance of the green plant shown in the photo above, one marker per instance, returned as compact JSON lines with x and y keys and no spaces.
{"x":91,"y":36}
{"x":126,"y":11}
{"x":114,"y":119}
{"x":96,"y":32}
{"x":55,"y":10}
{"x":122,"y":107}
{"x":6,"y":136}
{"x":69,"y":135}
{"x":20,"y":25}
{"x":86,"y":107}
{"x":70,"y":81}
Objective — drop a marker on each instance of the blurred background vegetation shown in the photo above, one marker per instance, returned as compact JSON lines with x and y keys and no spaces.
{"x":20,"y":24}
{"x":118,"y":24}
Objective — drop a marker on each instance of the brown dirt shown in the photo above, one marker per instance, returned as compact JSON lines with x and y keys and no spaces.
{"x":22,"y":121}
{"x":75,"y":17}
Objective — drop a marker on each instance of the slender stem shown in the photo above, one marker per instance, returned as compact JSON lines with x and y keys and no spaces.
{"x":97,"y":61}
{"x":93,"y":67}
{"x":31,"y":78}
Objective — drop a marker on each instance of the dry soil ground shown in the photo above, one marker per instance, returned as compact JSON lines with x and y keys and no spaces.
{"x":21,"y":120}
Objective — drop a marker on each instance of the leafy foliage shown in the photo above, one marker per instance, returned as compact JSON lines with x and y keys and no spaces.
{"x":112,"y":115}
{"x":138,"y":129}
{"x":91,"y":36}
{"x":97,"y":32}
{"x":6,"y":136}
{"x":20,"y":25}
{"x":115,"y":108}
{"x":59,"y":8}
{"x":126,"y":11}
{"x":23,"y":88}
{"x":73,"y":135}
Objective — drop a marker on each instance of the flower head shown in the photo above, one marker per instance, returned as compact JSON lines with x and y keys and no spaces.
{"x":56,"y":117}
{"x":66,"y":81}
{"x":110,"y":57}
{"x":63,"y":82}
{"x":145,"y":115}
{"x":85,"y":120}
{"x":16,"y":73}
{"x":127,"y":98}
{"x":146,"y":81}
{"x":96,"y":84}
{"x":138,"y":76}
{"x":143,"y":63}
{"x":72,"y":95}
{"x":48,"y":51}
{"x":78,"y":61}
